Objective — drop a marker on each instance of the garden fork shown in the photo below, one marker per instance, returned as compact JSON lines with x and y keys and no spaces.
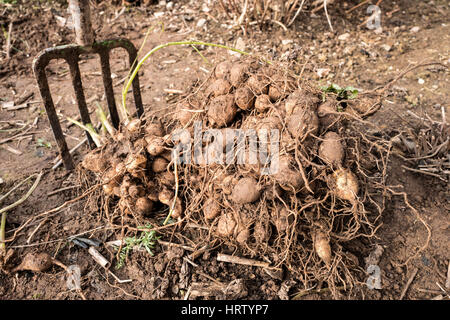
{"x":71,"y":53}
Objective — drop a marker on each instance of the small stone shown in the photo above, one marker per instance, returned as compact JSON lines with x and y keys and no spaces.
{"x":412,"y":99}
{"x":344,"y":36}
{"x":378,"y":30}
{"x":415,"y":29}
{"x":201,"y":23}
{"x":205,"y":8}
{"x":386,"y":47}
{"x":322,"y":57}
{"x":323,"y":72}
{"x":421,"y":81}
{"x":240,"y":45}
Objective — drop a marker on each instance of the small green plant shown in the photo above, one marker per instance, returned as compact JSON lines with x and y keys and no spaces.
{"x":8,"y":1}
{"x":342,"y":93}
{"x":37,"y":296}
{"x":42,"y":143}
{"x":146,"y":240}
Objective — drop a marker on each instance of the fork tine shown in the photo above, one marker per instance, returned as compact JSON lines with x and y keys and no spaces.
{"x":39,"y":72}
{"x":109,"y":91}
{"x":79,"y":94}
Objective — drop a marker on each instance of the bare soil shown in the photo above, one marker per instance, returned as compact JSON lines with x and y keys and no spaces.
{"x":363,"y":60}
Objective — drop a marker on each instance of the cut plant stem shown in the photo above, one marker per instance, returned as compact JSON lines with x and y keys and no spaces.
{"x":104,"y":120}
{"x":238,"y":260}
{"x":89,"y":128}
{"x":2,"y":234}
{"x":122,"y":108}
{"x":176,"y":193}
{"x":177,"y":43}
{"x":4,"y":210}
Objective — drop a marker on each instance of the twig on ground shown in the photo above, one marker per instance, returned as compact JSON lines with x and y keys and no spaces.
{"x":62,"y":189}
{"x":419,"y":217}
{"x":306,"y":292}
{"x":238,"y":260}
{"x":49,"y":212}
{"x":188,"y":292}
{"x":442,"y":289}
{"x":326,"y":14}
{"x":296,"y":14}
{"x":447,"y":282}
{"x":410,"y":280}
{"x":24,"y":98}
{"x":57,"y":240}
{"x":424,"y":172}
{"x":168,"y":244}
{"x":36,"y":229}
{"x":18,"y":107}
{"x":357,"y":6}
{"x":59,"y":160}
{"x":4,"y":211}
{"x":11,"y":149}
{"x":280,"y":24}
{"x":16,"y":136}
{"x":173,"y":91}
{"x":8,"y":41}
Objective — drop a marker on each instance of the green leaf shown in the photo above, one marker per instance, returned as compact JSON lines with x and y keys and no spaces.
{"x":146,"y":239}
{"x":353,"y":92}
{"x":343,"y":93}
{"x":42,"y":143}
